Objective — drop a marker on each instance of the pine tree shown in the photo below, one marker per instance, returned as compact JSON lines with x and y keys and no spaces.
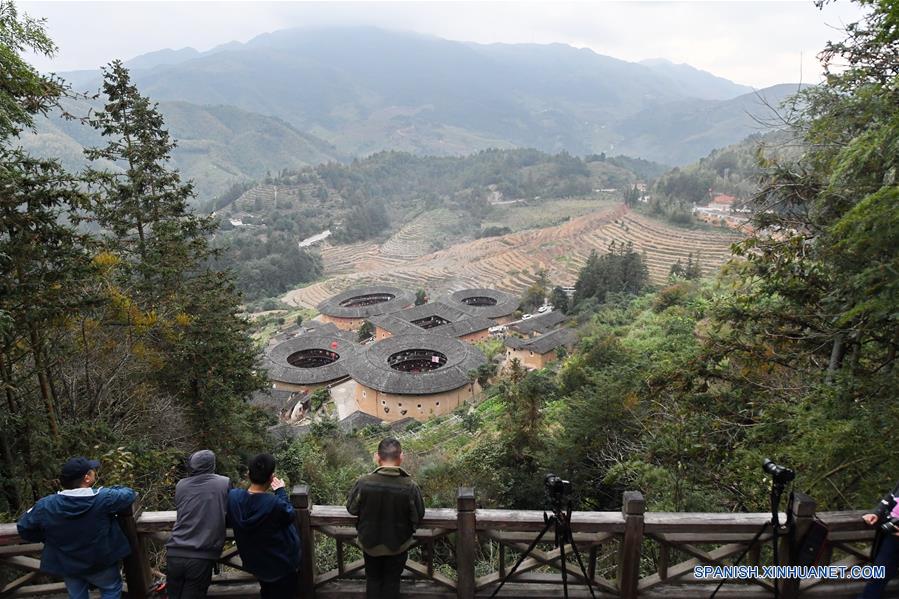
{"x":559,"y":300}
{"x":205,"y":359}
{"x":42,"y":263}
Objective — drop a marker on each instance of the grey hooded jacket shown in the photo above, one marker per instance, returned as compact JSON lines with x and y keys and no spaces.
{"x":202,"y":502}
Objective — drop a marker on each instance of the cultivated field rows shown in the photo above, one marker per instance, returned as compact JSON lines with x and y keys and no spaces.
{"x":510,"y":262}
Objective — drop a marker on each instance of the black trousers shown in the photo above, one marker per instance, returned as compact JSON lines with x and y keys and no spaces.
{"x":188,"y":578}
{"x":382,"y":575}
{"x":888,"y":557}
{"x":283,"y":588}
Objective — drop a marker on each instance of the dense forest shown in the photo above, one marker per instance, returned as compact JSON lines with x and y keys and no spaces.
{"x":120,"y":336}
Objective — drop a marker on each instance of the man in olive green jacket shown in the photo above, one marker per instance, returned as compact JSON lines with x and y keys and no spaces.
{"x":389,"y":506}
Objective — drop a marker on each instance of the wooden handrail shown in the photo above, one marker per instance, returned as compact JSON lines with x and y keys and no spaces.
{"x":621,"y":537}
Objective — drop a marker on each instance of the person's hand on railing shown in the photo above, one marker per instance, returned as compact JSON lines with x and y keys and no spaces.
{"x":277,"y":483}
{"x":870,"y":519}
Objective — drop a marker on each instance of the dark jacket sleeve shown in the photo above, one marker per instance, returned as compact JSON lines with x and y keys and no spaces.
{"x":417,"y":513}
{"x":284,"y":507}
{"x":118,"y":499}
{"x":30,"y":527}
{"x":354,"y":499}
{"x":882,"y":510}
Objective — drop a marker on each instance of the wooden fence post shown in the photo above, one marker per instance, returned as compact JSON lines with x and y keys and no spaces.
{"x":632,"y":508}
{"x":136,"y":565}
{"x":302,"y":505}
{"x":803,"y":515}
{"x":466,"y":542}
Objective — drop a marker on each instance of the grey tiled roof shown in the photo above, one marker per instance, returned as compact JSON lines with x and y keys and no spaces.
{"x":275,"y":399}
{"x":279,"y":369}
{"x":542,"y":323}
{"x":401,"y":299}
{"x":506,"y":303}
{"x":544,"y":343}
{"x":370,"y":367}
{"x":394,"y":325}
{"x":358,"y":420}
{"x":460,"y":323}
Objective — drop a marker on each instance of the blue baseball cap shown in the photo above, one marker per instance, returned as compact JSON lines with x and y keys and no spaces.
{"x":75,"y":468}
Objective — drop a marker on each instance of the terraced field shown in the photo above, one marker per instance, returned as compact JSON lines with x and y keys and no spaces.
{"x":419,"y":236}
{"x":511,"y":261}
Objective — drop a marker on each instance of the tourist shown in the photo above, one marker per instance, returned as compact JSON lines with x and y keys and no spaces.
{"x":264,"y":528}
{"x":83,"y":542}
{"x":201,"y":501}
{"x":389,"y":506}
{"x":887,"y":544}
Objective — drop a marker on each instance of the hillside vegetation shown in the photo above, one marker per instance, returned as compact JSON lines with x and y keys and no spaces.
{"x":514,"y":261}
{"x":216,"y":145}
{"x":365,"y":90}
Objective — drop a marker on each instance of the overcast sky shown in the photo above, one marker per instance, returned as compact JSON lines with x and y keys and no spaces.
{"x":754,"y":43}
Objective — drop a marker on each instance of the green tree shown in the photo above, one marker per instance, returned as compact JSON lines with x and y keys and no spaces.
{"x":621,"y":270}
{"x":559,"y":300}
{"x":366,"y":331}
{"x":24,"y":93}
{"x":42,"y":262}
{"x":535,"y":295}
{"x":206,"y":359}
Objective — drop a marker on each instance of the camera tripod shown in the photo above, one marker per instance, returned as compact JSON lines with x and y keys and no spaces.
{"x":778,"y":485}
{"x":560,"y":522}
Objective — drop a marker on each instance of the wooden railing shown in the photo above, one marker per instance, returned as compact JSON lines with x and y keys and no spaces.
{"x":465,"y":552}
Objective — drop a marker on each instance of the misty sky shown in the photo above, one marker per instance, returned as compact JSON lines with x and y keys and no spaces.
{"x":754,"y":43}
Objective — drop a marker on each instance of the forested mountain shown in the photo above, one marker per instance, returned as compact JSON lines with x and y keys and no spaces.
{"x":217,"y":145}
{"x":732,"y":170}
{"x":695,"y":82}
{"x":365,"y":89}
{"x":681,"y":132}
{"x":375,"y":197}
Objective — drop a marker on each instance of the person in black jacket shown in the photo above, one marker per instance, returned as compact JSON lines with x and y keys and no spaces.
{"x":201,"y":501}
{"x":83,"y":541}
{"x":887,"y":544}
{"x":265,"y":531}
{"x":389,"y":506}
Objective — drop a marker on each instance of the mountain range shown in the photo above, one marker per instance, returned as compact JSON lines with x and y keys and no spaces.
{"x":302,"y":96}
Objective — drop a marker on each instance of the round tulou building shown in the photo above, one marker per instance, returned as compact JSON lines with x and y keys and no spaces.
{"x":496,"y":305}
{"x":348,"y":310}
{"x":307,"y":362}
{"x":416,"y":375}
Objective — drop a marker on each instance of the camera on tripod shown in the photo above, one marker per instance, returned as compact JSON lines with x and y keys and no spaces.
{"x":556,"y":486}
{"x":558,"y":494}
{"x":781,"y":474}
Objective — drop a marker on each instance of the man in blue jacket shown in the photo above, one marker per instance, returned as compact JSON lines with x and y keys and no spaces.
{"x":263,"y":524}
{"x":83,"y":542}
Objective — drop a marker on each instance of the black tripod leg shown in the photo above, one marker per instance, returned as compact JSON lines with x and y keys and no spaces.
{"x":564,"y":566}
{"x":754,"y":540}
{"x":580,"y":562}
{"x":522,"y":558}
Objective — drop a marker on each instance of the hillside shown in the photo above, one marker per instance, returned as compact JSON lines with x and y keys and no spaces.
{"x":684,"y":131}
{"x":217,"y":145}
{"x":365,"y":89}
{"x":377,"y":196}
{"x":511,"y":261}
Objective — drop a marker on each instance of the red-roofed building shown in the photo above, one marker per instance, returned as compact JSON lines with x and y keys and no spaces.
{"x":722,"y":199}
